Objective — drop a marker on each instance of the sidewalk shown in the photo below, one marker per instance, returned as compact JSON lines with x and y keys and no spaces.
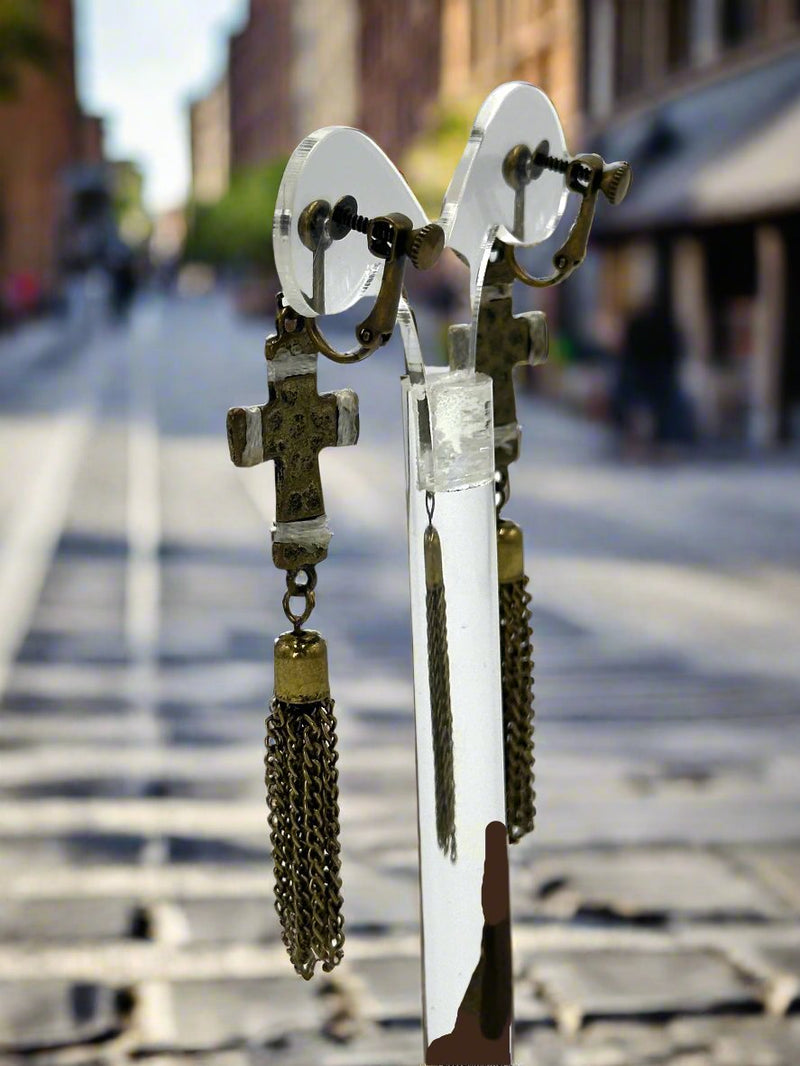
{"x":656,"y":908}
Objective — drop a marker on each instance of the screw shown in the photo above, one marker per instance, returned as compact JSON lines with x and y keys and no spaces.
{"x":542,"y":160}
{"x":346,"y":219}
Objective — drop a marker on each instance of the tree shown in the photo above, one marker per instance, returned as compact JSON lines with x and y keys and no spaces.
{"x":431,"y":159}
{"x":237,"y":229}
{"x":23,"y":42}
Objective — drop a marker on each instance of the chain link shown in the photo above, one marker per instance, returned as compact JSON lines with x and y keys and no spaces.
{"x":516,"y":654}
{"x":304,"y":590}
{"x":303,"y":797}
{"x":430,"y":506}
{"x":502,"y":490}
{"x":441,"y":721}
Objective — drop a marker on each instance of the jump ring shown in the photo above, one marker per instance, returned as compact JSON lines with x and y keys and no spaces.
{"x":298,"y":619}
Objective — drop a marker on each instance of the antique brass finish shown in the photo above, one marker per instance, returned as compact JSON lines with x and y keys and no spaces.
{"x":305,"y":590}
{"x":312,"y":223}
{"x":427,"y":245}
{"x":292,"y":429}
{"x":301,"y":667}
{"x":586,"y":175}
{"x":439,"y":688}
{"x":303,"y":797}
{"x":504,"y":341}
{"x":510,"y":552}
{"x":301,"y":772}
{"x":520,"y":167}
{"x":302,"y":782}
{"x":390,"y":237}
{"x":434,"y":576}
{"x":516,"y":657}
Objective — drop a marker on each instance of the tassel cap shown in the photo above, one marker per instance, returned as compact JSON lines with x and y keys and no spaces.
{"x":434,"y":575}
{"x":301,"y":667}
{"x":510,"y":552}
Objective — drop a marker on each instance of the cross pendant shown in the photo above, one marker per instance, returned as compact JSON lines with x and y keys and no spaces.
{"x":291,"y":429}
{"x":504,"y":341}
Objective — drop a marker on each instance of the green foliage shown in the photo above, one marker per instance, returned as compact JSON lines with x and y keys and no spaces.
{"x":128,"y":204}
{"x":432,"y":158}
{"x":23,"y":42}
{"x":237,"y":229}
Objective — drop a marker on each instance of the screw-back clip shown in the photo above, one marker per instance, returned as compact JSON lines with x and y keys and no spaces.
{"x":390,"y":237}
{"x":586,"y":175}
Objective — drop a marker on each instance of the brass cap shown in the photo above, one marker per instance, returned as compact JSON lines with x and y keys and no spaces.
{"x":434,"y":575}
{"x":301,"y":667}
{"x":510,"y":552}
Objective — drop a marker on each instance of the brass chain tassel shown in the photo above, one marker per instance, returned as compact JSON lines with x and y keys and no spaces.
{"x":303,"y":796}
{"x":516,"y":659}
{"x":439,"y":686}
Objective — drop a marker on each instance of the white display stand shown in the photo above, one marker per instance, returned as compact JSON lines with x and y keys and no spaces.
{"x":453,"y":892}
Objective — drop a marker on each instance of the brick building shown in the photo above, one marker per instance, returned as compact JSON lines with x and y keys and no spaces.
{"x":42,"y":133}
{"x":210,"y":133}
{"x":487,"y":42}
{"x":399,"y":69}
{"x":324,"y":73}
{"x":291,"y":69}
{"x":259,"y":78}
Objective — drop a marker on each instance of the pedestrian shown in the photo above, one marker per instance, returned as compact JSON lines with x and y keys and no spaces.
{"x":648,"y":388}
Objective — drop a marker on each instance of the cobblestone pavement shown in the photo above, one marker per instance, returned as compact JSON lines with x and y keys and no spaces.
{"x":656,"y":908}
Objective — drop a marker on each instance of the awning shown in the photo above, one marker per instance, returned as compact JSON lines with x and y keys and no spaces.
{"x":723,"y":153}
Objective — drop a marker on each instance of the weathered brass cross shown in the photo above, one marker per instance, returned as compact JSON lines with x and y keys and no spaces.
{"x":504,"y":341}
{"x":292,"y":429}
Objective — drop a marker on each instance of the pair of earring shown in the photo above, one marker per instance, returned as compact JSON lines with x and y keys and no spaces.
{"x":328,"y":255}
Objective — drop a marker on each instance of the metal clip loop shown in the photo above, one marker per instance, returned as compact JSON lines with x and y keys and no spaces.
{"x":390,"y":237}
{"x":586,"y":175}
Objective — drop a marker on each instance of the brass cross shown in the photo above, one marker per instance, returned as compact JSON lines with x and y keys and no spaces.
{"x":504,"y":341}
{"x":291,"y":430}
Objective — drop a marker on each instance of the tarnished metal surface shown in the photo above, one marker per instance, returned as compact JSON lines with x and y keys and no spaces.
{"x":439,"y":685}
{"x":301,"y":667}
{"x":588,"y":175}
{"x":390,"y":237}
{"x":292,"y":429}
{"x":303,"y":796}
{"x":510,"y":552}
{"x":505,"y":341}
{"x":516,"y":661}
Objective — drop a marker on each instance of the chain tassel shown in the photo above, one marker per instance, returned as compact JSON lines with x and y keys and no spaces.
{"x":303,"y":796}
{"x":516,"y":654}
{"x":439,"y":685}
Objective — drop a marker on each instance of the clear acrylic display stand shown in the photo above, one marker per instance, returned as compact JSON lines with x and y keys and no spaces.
{"x":448,"y":430}
{"x":452,"y":908}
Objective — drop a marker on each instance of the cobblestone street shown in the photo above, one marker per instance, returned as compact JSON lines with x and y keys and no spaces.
{"x":657,"y":906}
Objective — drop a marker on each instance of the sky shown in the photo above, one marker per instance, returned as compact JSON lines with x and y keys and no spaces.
{"x":139,"y":63}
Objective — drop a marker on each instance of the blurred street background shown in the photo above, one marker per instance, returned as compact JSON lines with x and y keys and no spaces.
{"x":657,"y":905}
